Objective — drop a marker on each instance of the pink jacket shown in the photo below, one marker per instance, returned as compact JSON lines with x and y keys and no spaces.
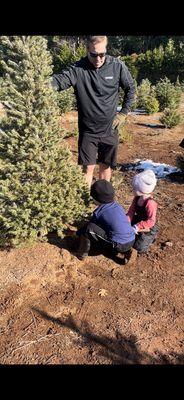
{"x":150,"y":210}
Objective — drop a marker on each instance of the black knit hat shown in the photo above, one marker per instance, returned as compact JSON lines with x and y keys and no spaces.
{"x":102,"y":191}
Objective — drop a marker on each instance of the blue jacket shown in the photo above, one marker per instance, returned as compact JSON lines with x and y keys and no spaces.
{"x":112,"y":218}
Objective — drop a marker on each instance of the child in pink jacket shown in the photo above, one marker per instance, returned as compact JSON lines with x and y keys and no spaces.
{"x":142,"y":212}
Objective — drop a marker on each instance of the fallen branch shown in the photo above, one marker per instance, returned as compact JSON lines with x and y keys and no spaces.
{"x":36,"y":341}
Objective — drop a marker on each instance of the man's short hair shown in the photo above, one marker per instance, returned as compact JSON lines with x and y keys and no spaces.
{"x":95,"y":39}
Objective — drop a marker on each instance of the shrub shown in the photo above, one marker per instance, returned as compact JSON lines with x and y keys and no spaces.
{"x":143,"y":92}
{"x":167,"y":94}
{"x":1,"y":87}
{"x":124,"y":135}
{"x":66,"y":100}
{"x":117,"y":179}
{"x":134,"y":105}
{"x":146,"y":97}
{"x":171,"y":117}
{"x":150,"y":64}
{"x":182,"y":86}
{"x":66,"y":55}
{"x":130,"y":62}
{"x":151,"y":105}
{"x":122,"y":94}
{"x":80,"y":52}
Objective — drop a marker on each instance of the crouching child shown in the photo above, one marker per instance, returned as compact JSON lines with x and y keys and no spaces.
{"x":142,"y":212}
{"x":109,"y":226}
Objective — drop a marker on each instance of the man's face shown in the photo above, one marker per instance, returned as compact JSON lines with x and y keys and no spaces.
{"x":98,"y":49}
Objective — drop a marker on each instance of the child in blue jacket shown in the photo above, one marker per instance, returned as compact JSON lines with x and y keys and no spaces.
{"x":109,"y":225}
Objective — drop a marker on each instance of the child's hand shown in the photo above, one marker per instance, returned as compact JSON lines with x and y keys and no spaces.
{"x":135,"y":228}
{"x":140,"y":230}
{"x":144,"y":230}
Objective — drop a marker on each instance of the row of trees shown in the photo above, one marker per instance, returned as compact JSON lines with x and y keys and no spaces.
{"x":128,"y":45}
{"x":118,"y":45}
{"x":152,"y":56}
{"x":158,"y":63}
{"x":164,"y":96}
{"x":65,"y":51}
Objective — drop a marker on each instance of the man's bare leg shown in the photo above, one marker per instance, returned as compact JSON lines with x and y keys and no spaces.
{"x":104,"y":172}
{"x":88,"y":172}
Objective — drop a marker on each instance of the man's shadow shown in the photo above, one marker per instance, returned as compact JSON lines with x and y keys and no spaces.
{"x":120,"y":350}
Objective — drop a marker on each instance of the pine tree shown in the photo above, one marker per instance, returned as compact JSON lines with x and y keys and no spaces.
{"x":143,"y":92}
{"x":171,"y":117}
{"x":151,"y":105}
{"x":167,"y":94}
{"x":41,"y":189}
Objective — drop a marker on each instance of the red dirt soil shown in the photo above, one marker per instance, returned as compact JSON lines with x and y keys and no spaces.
{"x":53,"y":308}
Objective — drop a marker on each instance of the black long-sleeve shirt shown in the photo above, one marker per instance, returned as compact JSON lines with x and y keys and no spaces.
{"x":97,"y":92}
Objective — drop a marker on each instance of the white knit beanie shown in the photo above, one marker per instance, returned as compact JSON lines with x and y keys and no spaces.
{"x":145,"y":182}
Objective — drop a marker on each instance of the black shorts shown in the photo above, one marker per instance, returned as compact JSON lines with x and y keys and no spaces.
{"x":98,"y":150}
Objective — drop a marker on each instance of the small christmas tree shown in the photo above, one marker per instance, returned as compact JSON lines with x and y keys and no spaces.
{"x":167,"y":94}
{"x":143,"y":92}
{"x":146,"y":97}
{"x":151,"y":105}
{"x":41,"y":189}
{"x":171,"y":118}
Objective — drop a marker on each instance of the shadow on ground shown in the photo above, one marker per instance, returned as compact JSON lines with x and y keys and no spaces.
{"x":176,"y":177}
{"x":154,"y":126}
{"x":71,"y":243}
{"x":122,"y":350}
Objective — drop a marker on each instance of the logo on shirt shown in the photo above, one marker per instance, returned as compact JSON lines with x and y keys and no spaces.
{"x":109,"y":77}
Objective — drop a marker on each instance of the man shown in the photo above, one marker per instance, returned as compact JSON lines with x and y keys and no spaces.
{"x":96,"y":79}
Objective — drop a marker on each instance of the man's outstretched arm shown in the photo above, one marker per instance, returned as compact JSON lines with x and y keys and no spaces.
{"x":64,"y":80}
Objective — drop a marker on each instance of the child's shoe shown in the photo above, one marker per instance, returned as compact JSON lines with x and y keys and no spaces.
{"x":131,"y":256}
{"x":84,"y":247}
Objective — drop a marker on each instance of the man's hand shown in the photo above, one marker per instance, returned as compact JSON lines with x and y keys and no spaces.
{"x":119,"y":120}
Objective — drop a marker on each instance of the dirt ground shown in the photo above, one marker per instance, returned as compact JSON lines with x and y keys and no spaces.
{"x":55,"y":309}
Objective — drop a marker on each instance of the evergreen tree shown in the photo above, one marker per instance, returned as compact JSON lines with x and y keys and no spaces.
{"x":171,"y":117}
{"x":80,"y":52}
{"x":143,"y":92}
{"x":151,"y":105}
{"x":41,"y":189}
{"x":66,"y":56}
{"x":66,"y":100}
{"x":66,"y":50}
{"x":167,"y":94}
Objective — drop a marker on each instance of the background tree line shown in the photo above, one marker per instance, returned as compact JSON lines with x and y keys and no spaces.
{"x":152,"y":57}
